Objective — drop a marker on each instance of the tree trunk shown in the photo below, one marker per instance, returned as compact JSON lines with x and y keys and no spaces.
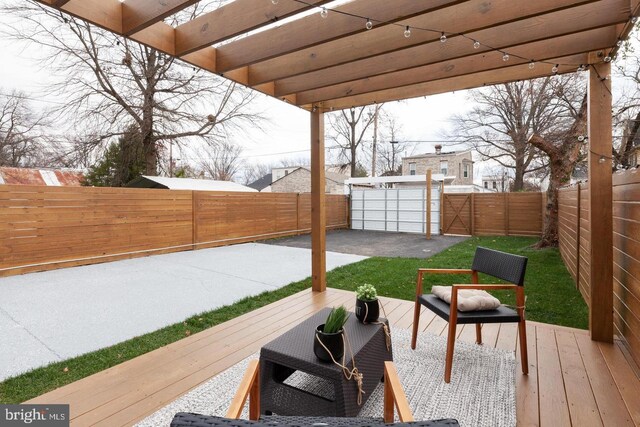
{"x":518,"y":179}
{"x":550,"y":233}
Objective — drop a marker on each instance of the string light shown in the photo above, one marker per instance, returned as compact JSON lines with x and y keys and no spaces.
{"x":274,"y":1}
{"x":443,"y":38}
{"x":369,"y":24}
{"x":532,"y":64}
{"x":607,"y":58}
{"x":634,"y":19}
{"x":619,"y":43}
{"x":407,"y":32}
{"x":505,"y":56}
{"x":324,"y":12}
{"x":476,"y":44}
{"x":554,"y":69}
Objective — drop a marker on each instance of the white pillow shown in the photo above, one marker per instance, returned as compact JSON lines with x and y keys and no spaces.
{"x":468,"y":299}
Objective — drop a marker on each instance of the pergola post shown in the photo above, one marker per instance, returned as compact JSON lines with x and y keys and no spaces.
{"x":318,"y":216}
{"x":600,"y":201}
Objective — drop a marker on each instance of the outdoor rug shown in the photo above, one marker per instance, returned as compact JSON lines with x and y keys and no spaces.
{"x":481,"y":392}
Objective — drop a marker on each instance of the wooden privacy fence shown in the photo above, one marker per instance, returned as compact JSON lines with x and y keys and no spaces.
{"x":492,"y":214}
{"x":43,"y":228}
{"x":575,"y":241}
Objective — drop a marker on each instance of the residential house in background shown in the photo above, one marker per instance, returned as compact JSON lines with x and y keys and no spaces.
{"x":262,"y":184}
{"x":51,"y":177}
{"x":500,"y":183}
{"x":299,"y":181}
{"x":458,"y":164}
{"x":164,"y":182}
{"x":277,"y":173}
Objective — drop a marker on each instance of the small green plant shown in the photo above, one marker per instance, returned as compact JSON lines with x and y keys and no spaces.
{"x":366,"y":292}
{"x":336,"y":320}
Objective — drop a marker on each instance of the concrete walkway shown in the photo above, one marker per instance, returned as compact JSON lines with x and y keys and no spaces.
{"x":52,"y":316}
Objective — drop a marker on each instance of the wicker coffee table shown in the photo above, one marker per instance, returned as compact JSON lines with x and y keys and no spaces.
{"x":294,"y":382}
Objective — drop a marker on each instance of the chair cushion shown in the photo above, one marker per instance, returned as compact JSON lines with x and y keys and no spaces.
{"x":468,"y":299}
{"x":183,"y":419}
{"x":501,"y":314}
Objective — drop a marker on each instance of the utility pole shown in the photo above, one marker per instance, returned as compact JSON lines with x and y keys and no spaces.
{"x":375,"y":141}
{"x":170,"y":159}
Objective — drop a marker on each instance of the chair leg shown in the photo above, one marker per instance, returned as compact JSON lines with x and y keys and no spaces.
{"x":478,"y":333}
{"x":416,"y":322}
{"x":524,"y":359}
{"x":451,"y":342}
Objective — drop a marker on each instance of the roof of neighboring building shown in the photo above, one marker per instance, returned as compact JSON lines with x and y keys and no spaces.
{"x":51,"y":177}
{"x":332,"y":176}
{"x":261,"y":183}
{"x":441,"y":154}
{"x":187,"y":184}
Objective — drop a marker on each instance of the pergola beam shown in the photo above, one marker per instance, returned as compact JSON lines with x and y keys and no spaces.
{"x":503,"y":36}
{"x":233,"y":19}
{"x":140,"y":14}
{"x":543,"y":50}
{"x":313,"y":30}
{"x":468,"y":17}
{"x":486,"y":78}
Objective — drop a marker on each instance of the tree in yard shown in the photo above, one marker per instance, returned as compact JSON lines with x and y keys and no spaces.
{"x":254,"y":171}
{"x":503,"y":119}
{"x":21,"y":132}
{"x":222,"y":162}
{"x":122,"y":161}
{"x":107,"y":82}
{"x":391,"y":148}
{"x":348,"y":129}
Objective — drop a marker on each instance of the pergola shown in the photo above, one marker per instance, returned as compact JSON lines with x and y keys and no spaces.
{"x":372,"y":51}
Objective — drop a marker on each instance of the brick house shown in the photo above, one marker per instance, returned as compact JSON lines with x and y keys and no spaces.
{"x":453,"y":163}
{"x":299,"y":181}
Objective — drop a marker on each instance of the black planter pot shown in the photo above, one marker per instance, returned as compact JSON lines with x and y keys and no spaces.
{"x":367,"y":311}
{"x":333,"y":342}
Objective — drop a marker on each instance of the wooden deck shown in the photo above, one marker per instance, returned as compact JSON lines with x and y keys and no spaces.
{"x":572,"y":381}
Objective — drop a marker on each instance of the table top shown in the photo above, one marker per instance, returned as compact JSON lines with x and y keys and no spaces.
{"x":295,"y":347}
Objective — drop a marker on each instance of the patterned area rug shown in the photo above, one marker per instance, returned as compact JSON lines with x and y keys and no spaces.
{"x":481,"y":392}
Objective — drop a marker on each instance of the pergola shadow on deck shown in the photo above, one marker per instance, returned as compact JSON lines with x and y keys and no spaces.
{"x":572,"y":380}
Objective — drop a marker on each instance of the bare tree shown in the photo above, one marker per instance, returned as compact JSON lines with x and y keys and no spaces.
{"x":254,"y":171}
{"x":108,"y":83}
{"x":348,"y":130}
{"x":21,"y":132}
{"x":391,"y":147}
{"x":222,"y":162}
{"x":502,"y":121}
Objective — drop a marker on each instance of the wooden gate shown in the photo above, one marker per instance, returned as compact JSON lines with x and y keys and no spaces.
{"x":456,"y":214}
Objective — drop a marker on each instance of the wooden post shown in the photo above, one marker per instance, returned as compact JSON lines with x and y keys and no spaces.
{"x":442,"y":207}
{"x":318,"y":214}
{"x":506,"y":213}
{"x":578,"y":204}
{"x":428,"y":203}
{"x":473,"y":214}
{"x":600,"y":202}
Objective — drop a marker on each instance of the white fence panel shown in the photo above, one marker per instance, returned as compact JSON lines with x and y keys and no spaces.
{"x":398,"y":210}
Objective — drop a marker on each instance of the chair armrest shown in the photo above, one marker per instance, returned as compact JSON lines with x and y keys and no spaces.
{"x":484,"y":287}
{"x":394,"y":396}
{"x":445,"y":270}
{"x":249,"y":388}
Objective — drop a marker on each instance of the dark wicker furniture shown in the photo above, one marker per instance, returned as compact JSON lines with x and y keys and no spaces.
{"x":293,"y":351}
{"x":508,"y":267}
{"x":183,"y":419}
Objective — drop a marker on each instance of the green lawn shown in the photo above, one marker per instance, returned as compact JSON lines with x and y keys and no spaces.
{"x":552,"y":298}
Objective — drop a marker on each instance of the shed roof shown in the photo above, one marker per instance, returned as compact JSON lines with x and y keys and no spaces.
{"x":332,"y":61}
{"x":51,"y":177}
{"x":187,"y":184}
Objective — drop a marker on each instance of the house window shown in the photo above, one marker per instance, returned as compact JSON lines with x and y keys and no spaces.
{"x":444,"y":167}
{"x":495,"y":185}
{"x":486,"y":184}
{"x":412,"y":168}
{"x":465,"y":172}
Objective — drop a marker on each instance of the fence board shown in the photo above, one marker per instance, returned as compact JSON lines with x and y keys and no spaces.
{"x":43,"y":228}
{"x":493,"y":214}
{"x":626,"y":250}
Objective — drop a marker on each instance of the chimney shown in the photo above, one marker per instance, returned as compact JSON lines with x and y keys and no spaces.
{"x":438,"y":149}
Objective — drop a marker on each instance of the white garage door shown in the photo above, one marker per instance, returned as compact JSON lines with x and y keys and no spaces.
{"x":397,"y":210}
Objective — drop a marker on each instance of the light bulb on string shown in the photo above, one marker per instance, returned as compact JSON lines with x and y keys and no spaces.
{"x":443,"y":38}
{"x":274,"y":1}
{"x":532,"y":65}
{"x":505,"y":56}
{"x":476,"y":44}
{"x":607,"y":58}
{"x":554,"y":69}
{"x":324,"y":12}
{"x":619,"y":43}
{"x":369,"y":24}
{"x":407,"y":32}
{"x":634,"y":19}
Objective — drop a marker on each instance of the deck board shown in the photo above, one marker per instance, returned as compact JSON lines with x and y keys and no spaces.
{"x":571,"y":381}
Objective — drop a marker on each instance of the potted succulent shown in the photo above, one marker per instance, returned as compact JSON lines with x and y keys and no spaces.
{"x":330,"y":333}
{"x":367,"y":305}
